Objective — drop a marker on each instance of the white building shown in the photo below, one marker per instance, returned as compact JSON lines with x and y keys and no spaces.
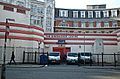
{"x":22,"y":36}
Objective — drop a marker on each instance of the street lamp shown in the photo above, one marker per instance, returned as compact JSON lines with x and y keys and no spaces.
{"x":39,"y":46}
{"x":3,"y":68}
{"x":84,"y":47}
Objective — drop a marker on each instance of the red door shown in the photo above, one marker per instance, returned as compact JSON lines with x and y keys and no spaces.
{"x":63,"y":52}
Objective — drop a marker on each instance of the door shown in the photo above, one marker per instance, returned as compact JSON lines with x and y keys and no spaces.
{"x":63,"y":52}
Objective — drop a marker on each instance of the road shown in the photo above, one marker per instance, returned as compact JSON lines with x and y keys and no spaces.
{"x":61,"y":72}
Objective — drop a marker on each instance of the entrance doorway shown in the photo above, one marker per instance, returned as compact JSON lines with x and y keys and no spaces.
{"x":63,"y":52}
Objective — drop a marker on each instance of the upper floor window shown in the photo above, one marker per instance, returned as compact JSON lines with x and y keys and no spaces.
{"x":113,"y":13}
{"x":64,"y":24}
{"x":91,"y":24}
{"x":83,"y":24}
{"x":82,"y":14}
{"x":106,"y":24}
{"x":21,"y":3}
{"x":97,"y":14}
{"x":34,"y":8}
{"x":63,"y":13}
{"x":49,"y":10}
{"x":10,"y":1}
{"x":105,"y":13}
{"x":98,"y":24}
{"x":75,"y":24}
{"x":75,"y":14}
{"x":40,"y":10}
{"x":8,"y":8}
{"x":90,"y":14}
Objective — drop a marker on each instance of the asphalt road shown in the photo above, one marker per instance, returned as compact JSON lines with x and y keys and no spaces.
{"x":61,"y":72}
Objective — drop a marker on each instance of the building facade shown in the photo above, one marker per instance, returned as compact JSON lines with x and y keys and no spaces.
{"x":22,"y":36}
{"x":39,"y":26}
{"x":81,"y":30}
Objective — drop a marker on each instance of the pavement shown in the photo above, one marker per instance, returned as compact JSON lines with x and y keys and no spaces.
{"x":25,"y":66}
{"x":101,"y":67}
{"x":40,"y":66}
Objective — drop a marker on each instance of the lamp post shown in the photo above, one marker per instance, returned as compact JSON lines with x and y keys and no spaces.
{"x":3,"y":68}
{"x":84,"y":47}
{"x":39,"y":46}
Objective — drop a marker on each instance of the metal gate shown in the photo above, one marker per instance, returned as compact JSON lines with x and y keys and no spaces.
{"x":33,"y":57}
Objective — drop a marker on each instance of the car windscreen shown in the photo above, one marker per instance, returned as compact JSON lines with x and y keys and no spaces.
{"x":85,"y":54}
{"x":53,"y":54}
{"x":73,"y":54}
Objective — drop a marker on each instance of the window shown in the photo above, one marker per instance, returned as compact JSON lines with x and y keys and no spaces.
{"x":87,"y":31}
{"x":21,"y":3}
{"x":75,"y":24}
{"x":34,"y":8}
{"x":49,"y":22}
{"x":113,"y":13}
{"x":63,"y":13}
{"x":21,"y":11}
{"x":40,"y":10}
{"x":82,"y":14}
{"x":97,"y":14}
{"x":94,"y":31}
{"x":83,"y":24}
{"x":63,"y":24}
{"x":49,"y":10}
{"x":105,"y":13}
{"x":103,"y":31}
{"x":91,"y":24}
{"x":11,"y":1}
{"x":98,"y":24}
{"x":114,"y":24}
{"x":8,"y":8}
{"x":110,"y":31}
{"x":75,"y":14}
{"x":90,"y":14}
{"x":106,"y":24}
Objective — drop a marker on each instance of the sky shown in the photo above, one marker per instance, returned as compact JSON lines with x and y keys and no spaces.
{"x":81,"y":4}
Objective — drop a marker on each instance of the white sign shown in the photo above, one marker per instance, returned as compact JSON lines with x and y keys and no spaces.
{"x":98,"y":46}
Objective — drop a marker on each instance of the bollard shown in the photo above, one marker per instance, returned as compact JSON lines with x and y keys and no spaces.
{"x":98,"y":59}
{"x":79,"y":59}
{"x":114,"y":59}
{"x":23,"y":57}
{"x":102,"y":60}
{"x":35,"y":56}
{"x":90,"y":59}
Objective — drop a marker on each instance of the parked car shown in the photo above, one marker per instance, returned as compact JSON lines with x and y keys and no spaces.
{"x":72,"y":58}
{"x":85,"y":57}
{"x":54,"y":57}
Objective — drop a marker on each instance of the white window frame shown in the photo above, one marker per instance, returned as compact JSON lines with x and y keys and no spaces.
{"x":82,"y":14}
{"x":90,"y":14}
{"x":75,"y":14}
{"x":106,"y":13}
{"x":97,"y":14}
{"x":65,"y":13}
{"x":113,"y":13}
